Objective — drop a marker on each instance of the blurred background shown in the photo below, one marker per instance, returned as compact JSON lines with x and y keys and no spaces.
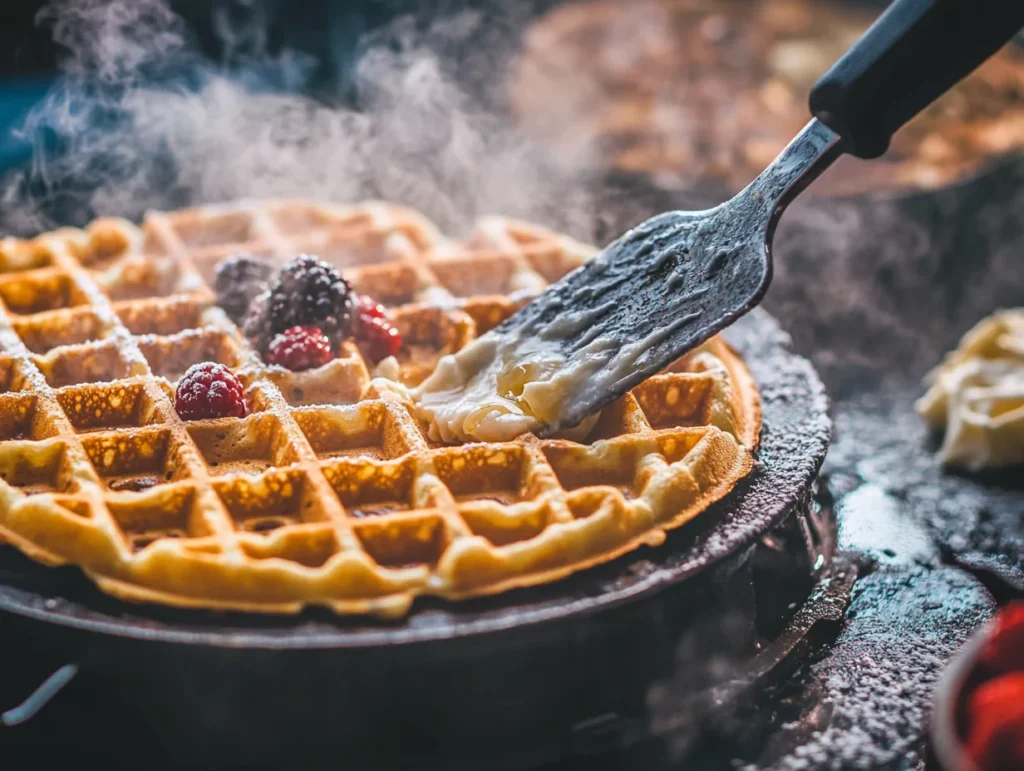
{"x":584,"y":115}
{"x":327,"y":35}
{"x":695,"y":95}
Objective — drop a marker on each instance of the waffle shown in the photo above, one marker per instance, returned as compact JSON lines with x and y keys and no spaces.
{"x":329,"y":492}
{"x":977,"y":395}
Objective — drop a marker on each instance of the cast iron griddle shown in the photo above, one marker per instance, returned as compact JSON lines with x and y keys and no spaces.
{"x":794,"y":441}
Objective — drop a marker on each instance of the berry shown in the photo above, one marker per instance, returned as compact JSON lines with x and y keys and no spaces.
{"x":210,"y":390}
{"x":371,"y":308}
{"x":1004,"y":649}
{"x":256,"y":324}
{"x":309,"y":293}
{"x":238,"y":280}
{"x":378,"y":338}
{"x":300,"y":348}
{"x":995,"y":712}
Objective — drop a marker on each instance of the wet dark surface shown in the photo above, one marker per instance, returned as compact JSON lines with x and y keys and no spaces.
{"x":865,"y":703}
{"x":870,"y":695}
{"x":875,"y":313}
{"x":874,"y":291}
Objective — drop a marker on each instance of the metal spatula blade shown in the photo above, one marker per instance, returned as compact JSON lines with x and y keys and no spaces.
{"x":673,"y":281}
{"x":677,"y":279}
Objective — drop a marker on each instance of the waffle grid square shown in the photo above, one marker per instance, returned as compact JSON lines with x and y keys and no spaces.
{"x":329,"y":491}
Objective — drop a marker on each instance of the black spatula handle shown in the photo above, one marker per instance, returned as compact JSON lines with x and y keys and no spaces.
{"x":913,"y":53}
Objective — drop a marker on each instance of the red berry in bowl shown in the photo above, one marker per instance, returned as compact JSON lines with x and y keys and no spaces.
{"x":210,"y":390}
{"x":995,"y":712}
{"x":1004,"y":649}
{"x":300,"y":348}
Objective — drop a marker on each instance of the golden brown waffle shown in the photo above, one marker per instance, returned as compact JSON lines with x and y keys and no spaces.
{"x":328,"y":493}
{"x":695,"y":90}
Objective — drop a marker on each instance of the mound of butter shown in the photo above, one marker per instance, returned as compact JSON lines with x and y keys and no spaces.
{"x":977,"y":395}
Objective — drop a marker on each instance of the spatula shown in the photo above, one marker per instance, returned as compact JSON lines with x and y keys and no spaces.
{"x":672,"y":282}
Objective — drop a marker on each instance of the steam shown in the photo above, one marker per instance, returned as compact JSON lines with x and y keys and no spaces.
{"x":113,"y":42}
{"x":140,"y":120}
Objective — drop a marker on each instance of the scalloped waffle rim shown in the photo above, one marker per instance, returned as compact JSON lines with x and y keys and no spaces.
{"x":329,"y":492}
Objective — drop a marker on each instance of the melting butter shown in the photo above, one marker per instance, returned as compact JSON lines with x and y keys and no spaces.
{"x":501,"y":386}
{"x":492,"y":391}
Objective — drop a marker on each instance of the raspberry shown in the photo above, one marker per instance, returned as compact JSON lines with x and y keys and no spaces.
{"x":256,"y":324}
{"x":300,"y":348}
{"x":371,"y":308}
{"x":210,"y":390}
{"x":238,"y":280}
{"x":1004,"y":649}
{"x":995,"y":737}
{"x":378,"y":337}
{"x":310,"y":293}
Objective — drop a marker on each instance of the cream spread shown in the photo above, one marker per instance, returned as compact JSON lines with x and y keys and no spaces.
{"x":977,"y":395}
{"x":501,"y":386}
{"x":493,"y":390}
{"x":517,"y":380}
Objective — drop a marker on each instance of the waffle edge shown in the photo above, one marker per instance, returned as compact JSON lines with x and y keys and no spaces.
{"x":329,"y":493}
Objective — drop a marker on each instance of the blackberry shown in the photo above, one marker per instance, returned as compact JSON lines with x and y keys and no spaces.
{"x":310,"y":293}
{"x":238,"y":280}
{"x":256,"y":324}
